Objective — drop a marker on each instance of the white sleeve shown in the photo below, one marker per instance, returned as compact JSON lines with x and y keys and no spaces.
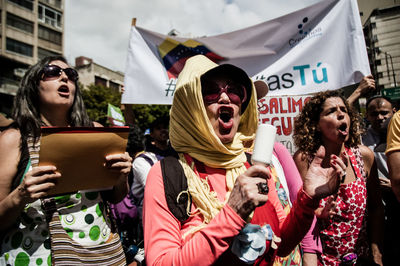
{"x":140,"y":170}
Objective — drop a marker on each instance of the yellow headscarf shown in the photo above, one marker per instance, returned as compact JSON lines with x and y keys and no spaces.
{"x":191,"y":132}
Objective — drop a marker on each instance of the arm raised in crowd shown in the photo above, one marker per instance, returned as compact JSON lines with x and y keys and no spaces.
{"x":367,"y":84}
{"x":318,"y":182}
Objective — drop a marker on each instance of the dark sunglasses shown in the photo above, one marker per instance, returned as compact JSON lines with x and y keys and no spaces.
{"x":54,"y":71}
{"x":236,"y":93}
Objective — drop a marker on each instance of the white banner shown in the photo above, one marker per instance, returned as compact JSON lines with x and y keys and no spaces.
{"x":317,"y":48}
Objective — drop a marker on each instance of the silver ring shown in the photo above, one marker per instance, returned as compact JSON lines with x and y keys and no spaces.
{"x":263,"y":188}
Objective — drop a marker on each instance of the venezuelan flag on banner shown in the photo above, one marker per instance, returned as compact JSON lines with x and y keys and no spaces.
{"x":174,"y":54}
{"x":320,"y":47}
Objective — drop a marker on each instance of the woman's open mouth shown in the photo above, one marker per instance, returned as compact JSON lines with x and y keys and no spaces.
{"x":343,"y":130}
{"x":63,"y":91}
{"x":225,"y":119}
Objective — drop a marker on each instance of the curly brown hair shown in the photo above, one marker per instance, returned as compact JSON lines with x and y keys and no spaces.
{"x":306,"y":136}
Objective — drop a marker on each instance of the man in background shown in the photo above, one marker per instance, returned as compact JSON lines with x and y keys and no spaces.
{"x":156,"y":148}
{"x":379,"y":113}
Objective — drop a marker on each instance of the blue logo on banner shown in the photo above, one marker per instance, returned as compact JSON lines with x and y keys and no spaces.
{"x":301,"y":28}
{"x":305,"y":34}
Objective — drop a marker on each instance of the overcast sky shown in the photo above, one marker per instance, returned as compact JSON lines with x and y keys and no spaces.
{"x":99,"y":29}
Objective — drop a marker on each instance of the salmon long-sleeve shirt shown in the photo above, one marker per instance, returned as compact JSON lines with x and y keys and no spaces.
{"x":163,"y":233}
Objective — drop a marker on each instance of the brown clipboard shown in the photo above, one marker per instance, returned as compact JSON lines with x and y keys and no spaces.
{"x":79,"y":155}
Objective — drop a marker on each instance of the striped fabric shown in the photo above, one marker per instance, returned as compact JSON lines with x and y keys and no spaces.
{"x":64,"y":250}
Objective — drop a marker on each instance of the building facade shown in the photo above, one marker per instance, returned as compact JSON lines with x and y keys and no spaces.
{"x":367,"y":6}
{"x":30,"y":30}
{"x":92,"y":73}
{"x":381,"y":21}
{"x":382,"y":34}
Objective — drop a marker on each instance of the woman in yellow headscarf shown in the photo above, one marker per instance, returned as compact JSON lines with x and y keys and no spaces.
{"x":213,"y":122}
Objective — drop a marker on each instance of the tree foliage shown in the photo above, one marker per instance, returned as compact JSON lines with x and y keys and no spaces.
{"x":97,"y":98}
{"x":145,"y":114}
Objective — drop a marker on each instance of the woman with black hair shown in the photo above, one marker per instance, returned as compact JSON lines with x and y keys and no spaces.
{"x":49,"y":96}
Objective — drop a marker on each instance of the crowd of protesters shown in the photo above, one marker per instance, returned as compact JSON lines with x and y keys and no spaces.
{"x":188,"y":191}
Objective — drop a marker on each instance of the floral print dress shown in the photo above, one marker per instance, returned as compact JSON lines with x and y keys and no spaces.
{"x":345,"y":232}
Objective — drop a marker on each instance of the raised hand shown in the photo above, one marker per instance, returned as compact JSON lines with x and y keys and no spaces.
{"x":328,"y":210}
{"x":320,"y":182}
{"x":37,"y":182}
{"x":367,"y":84}
{"x":245,"y":195}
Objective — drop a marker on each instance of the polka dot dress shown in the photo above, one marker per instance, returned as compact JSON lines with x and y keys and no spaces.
{"x":81,"y":216}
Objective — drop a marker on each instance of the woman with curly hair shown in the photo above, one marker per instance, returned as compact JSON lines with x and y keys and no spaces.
{"x":327,"y":120}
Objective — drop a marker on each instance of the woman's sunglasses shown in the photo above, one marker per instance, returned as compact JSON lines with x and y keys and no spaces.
{"x":236,"y":93}
{"x":54,"y":71}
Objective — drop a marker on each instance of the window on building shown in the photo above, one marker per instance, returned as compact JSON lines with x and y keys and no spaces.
{"x":378,"y":62}
{"x":100,"y":81}
{"x":24,"y":3}
{"x":56,"y":3}
{"x":114,"y":86}
{"x":49,"y":16}
{"x":43,"y":53}
{"x":19,"y":47}
{"x":50,"y":35}
{"x":40,"y":13}
{"x":19,"y":23}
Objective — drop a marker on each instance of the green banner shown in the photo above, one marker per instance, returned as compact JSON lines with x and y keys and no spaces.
{"x":392,"y":93}
{"x":115,"y":116}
